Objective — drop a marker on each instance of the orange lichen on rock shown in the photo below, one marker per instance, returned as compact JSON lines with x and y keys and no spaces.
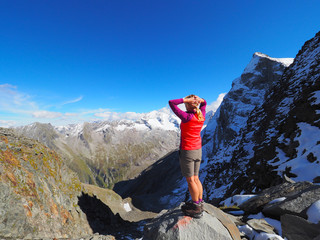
{"x":24,"y":157}
{"x":30,"y":181}
{"x":10,"y":158}
{"x":66,"y":216}
{"x":12,"y":178}
{"x":5,"y":139}
{"x":30,"y":204}
{"x":28,"y":210}
{"x":54,"y":208}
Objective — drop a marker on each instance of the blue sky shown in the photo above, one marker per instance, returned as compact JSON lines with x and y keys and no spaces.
{"x":71,"y":61}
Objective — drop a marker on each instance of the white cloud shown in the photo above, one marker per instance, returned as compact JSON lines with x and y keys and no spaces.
{"x":111,"y":116}
{"x":7,"y":123}
{"x":71,"y":114}
{"x":73,"y":101}
{"x":215,"y":105}
{"x":11,"y":100}
{"x":46,"y":114}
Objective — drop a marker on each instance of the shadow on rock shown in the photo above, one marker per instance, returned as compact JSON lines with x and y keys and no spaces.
{"x":102,"y":220}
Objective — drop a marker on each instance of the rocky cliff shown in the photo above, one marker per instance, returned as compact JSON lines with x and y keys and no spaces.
{"x":39,"y":194}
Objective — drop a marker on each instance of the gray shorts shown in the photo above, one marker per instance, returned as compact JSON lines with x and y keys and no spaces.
{"x":190,"y":162}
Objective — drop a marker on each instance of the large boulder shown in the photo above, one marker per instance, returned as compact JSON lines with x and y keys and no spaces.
{"x":297,"y":228}
{"x":172,"y":224}
{"x":257,"y":203}
{"x":297,"y":204}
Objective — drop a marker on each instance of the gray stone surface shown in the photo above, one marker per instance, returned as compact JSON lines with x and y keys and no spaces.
{"x":261,"y":225}
{"x":256,"y":204}
{"x":297,"y":228}
{"x":172,"y":224}
{"x":13,"y":223}
{"x":296,"y":205}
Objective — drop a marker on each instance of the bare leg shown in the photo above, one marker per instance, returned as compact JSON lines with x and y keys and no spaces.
{"x":193,"y":188}
{"x":199,"y":185}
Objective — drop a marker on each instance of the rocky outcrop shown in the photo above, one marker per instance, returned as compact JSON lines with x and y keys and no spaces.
{"x":297,"y":204}
{"x":282,"y":211}
{"x":257,"y":203}
{"x":39,"y":194}
{"x":172,"y":224}
{"x":297,"y":228}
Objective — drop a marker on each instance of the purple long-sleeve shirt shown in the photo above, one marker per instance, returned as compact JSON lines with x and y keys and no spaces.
{"x":185,"y":116}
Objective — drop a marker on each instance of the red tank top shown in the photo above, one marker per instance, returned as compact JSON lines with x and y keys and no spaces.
{"x":190,"y":134}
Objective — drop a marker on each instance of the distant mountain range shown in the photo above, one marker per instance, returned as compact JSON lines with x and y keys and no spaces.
{"x":105,"y":152}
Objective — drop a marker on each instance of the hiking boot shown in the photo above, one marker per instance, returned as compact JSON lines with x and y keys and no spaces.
{"x":202,"y":203}
{"x":192,"y":209}
{"x":189,"y":203}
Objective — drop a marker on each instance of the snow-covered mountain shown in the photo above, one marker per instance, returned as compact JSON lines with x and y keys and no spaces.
{"x":162,"y":119}
{"x":280,"y":136}
{"x":105,"y":152}
{"x":223,"y":132}
{"x":247,"y":92}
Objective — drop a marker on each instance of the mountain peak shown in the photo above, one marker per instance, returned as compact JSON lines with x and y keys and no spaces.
{"x":258,"y":57}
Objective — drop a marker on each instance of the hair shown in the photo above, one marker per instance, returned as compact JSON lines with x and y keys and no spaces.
{"x":199,"y":113}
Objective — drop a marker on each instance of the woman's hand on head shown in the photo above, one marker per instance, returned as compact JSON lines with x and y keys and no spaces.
{"x":189,"y":100}
{"x":199,"y":100}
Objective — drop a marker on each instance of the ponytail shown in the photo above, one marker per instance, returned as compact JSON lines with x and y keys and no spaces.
{"x":200,"y":115}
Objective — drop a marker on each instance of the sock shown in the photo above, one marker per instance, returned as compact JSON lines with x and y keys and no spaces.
{"x":200,"y":200}
{"x":197,"y":202}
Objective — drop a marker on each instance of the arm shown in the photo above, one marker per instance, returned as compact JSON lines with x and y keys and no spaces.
{"x":185,"y":117}
{"x":203,"y":106}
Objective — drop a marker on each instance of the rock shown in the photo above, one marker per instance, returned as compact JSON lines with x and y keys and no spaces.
{"x":172,"y":224}
{"x":256,"y":204}
{"x":225,"y":219}
{"x":39,"y":194}
{"x":261,"y":225}
{"x":3,"y":146}
{"x":98,"y":237}
{"x":117,"y":204}
{"x":287,"y":179}
{"x":316,"y":179}
{"x":296,"y":205}
{"x":297,"y":228}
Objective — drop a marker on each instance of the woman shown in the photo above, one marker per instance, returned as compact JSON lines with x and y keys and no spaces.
{"x":190,"y":148}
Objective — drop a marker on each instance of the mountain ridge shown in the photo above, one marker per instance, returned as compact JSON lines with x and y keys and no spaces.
{"x":104,"y":152}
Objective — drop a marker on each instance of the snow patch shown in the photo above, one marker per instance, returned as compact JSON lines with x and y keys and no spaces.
{"x":314,"y":212}
{"x":127,"y":207}
{"x":316,"y":95}
{"x":277,"y":200}
{"x":254,"y":235}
